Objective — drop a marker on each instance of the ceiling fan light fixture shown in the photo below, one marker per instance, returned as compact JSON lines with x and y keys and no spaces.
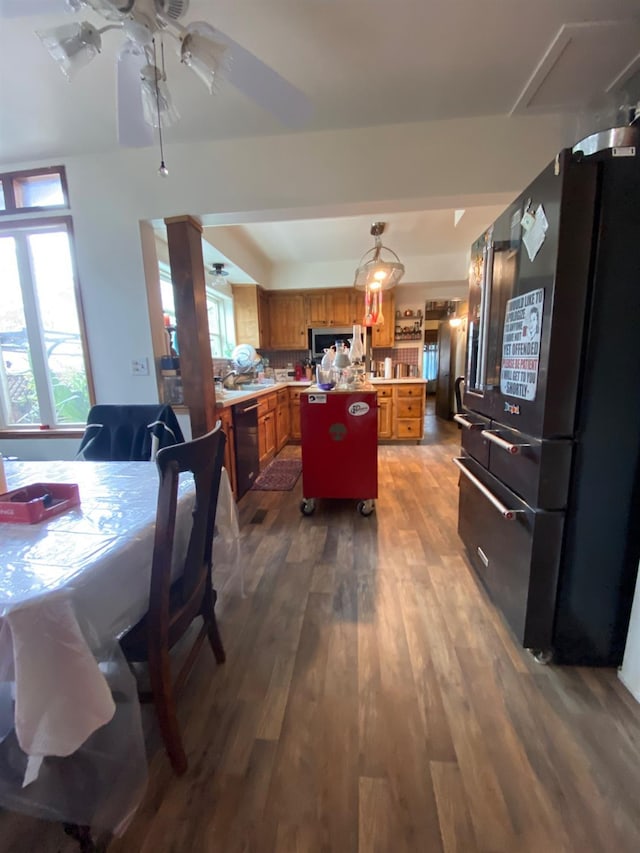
{"x":203,"y":52}
{"x":72,"y":46}
{"x":375,"y":272}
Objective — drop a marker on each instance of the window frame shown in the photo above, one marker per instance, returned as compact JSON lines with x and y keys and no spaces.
{"x":33,"y":224}
{"x":7,"y":180}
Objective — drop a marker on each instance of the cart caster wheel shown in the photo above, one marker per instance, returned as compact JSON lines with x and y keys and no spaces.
{"x":365,"y":507}
{"x":307,"y":506}
{"x":542,"y":656}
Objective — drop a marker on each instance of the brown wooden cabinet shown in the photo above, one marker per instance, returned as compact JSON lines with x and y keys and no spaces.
{"x":266,"y":429}
{"x":383,"y":336}
{"x":385,"y":422}
{"x":408,"y":410}
{"x":346,"y":307}
{"x":294,"y":411}
{"x":315,"y":306}
{"x":287,"y":326}
{"x":251,"y":314}
{"x":226,"y":416}
{"x":283,"y":419}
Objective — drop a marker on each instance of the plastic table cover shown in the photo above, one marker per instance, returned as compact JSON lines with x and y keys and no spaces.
{"x":71,"y":743}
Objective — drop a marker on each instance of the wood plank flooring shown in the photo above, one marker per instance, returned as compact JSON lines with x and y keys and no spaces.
{"x":374,"y":702}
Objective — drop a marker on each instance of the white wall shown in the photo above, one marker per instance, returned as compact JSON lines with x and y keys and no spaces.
{"x":288,"y":176}
{"x":630,"y":670}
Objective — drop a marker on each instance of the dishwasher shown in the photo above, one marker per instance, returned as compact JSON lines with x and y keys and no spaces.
{"x":245,"y":423}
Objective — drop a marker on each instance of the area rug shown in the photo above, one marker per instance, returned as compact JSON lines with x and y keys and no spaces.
{"x":279,"y":476}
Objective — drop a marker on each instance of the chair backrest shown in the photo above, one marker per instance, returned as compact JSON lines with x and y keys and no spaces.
{"x":172,"y":610}
{"x":128,"y":433}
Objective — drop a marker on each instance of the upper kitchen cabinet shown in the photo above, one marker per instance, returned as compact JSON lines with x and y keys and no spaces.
{"x":251,"y":314}
{"x":347,"y":306}
{"x":315,"y":305}
{"x":340,"y":307}
{"x":287,"y":326}
{"x":383,"y":336}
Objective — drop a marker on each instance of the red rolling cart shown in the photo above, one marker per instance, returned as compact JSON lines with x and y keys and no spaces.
{"x":339,"y":431}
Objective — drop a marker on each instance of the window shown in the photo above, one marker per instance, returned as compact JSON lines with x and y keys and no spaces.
{"x":219,"y":315}
{"x":34,"y":191}
{"x":43,"y":374}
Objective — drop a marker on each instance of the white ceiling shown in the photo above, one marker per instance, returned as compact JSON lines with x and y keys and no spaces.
{"x":361,"y":63}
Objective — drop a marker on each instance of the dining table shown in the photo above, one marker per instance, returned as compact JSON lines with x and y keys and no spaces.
{"x":71,"y":740}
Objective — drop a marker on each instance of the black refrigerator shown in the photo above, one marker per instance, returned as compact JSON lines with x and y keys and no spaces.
{"x":549,"y":463}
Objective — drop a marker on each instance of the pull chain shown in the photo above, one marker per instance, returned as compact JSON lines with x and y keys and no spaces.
{"x":162,"y":171}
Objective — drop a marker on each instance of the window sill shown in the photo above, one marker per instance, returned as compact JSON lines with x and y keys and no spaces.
{"x":75,"y":432}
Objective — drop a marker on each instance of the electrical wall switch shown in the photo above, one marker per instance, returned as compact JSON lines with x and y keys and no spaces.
{"x":140,"y":367}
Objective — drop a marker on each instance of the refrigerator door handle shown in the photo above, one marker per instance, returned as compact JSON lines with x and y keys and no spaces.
{"x":507,"y":446}
{"x":505,"y":512}
{"x":481,"y":371}
{"x":464,"y":421}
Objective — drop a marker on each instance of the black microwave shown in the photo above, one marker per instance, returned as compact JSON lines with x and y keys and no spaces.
{"x":322,"y":339}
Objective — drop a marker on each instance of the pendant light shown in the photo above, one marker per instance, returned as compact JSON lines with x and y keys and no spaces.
{"x":375,"y":272}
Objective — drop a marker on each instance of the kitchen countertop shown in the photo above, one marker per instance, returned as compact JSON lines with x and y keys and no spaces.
{"x":230,"y":398}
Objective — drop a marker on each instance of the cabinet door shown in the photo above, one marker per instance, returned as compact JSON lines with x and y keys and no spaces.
{"x":287,"y":325}
{"x":385,"y":423}
{"x":382,"y":336}
{"x":247,"y":314}
{"x":266,"y":439}
{"x":283,"y":422}
{"x":341,"y":308}
{"x":294,"y":411}
{"x":263,"y":318}
{"x":316,"y":309}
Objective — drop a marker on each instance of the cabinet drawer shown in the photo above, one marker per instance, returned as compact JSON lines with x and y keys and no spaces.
{"x":410,"y":390}
{"x":408,"y":408}
{"x":294,"y":395}
{"x":408,"y":428}
{"x":384,"y":390}
{"x":283,"y":396}
{"x":263,"y":407}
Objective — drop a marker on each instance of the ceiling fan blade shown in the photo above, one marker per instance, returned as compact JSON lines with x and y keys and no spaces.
{"x":266,"y":87}
{"x":133,"y":131}
{"x":23,"y":8}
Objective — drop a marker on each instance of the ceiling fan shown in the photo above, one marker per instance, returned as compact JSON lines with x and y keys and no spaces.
{"x":143,"y":98}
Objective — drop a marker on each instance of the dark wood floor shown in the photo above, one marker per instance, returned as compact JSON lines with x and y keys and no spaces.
{"x":372,"y":700}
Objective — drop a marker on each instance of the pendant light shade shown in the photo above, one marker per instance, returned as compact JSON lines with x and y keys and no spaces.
{"x":72,"y":45}
{"x":376,"y":272}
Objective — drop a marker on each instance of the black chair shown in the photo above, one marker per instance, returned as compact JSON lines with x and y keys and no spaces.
{"x":174,"y":605}
{"x":128,"y":433}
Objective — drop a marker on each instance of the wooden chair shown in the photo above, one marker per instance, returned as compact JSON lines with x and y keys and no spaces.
{"x":174,"y":605}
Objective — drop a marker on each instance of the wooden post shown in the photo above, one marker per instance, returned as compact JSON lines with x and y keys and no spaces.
{"x":184,"y":238}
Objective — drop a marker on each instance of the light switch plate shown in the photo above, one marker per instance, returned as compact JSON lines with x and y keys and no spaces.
{"x":140,"y":367}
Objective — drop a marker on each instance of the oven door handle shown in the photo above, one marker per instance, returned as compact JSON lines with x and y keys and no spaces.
{"x":507,"y":446}
{"x":464,"y":421}
{"x":505,"y":512}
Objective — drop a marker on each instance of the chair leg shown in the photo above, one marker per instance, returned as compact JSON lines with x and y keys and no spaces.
{"x":163,"y":699}
{"x":209,"y":616}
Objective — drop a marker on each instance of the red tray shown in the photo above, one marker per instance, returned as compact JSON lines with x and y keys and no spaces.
{"x":37,"y":502}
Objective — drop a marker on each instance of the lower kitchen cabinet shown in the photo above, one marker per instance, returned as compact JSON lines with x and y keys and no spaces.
{"x":294,"y":411}
{"x":408,"y":410}
{"x":401,"y":410}
{"x":226,"y":417}
{"x":283,"y":419}
{"x":266,"y":429}
{"x":385,"y":410}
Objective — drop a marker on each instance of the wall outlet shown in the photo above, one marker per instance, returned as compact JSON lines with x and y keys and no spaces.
{"x":140,"y":367}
